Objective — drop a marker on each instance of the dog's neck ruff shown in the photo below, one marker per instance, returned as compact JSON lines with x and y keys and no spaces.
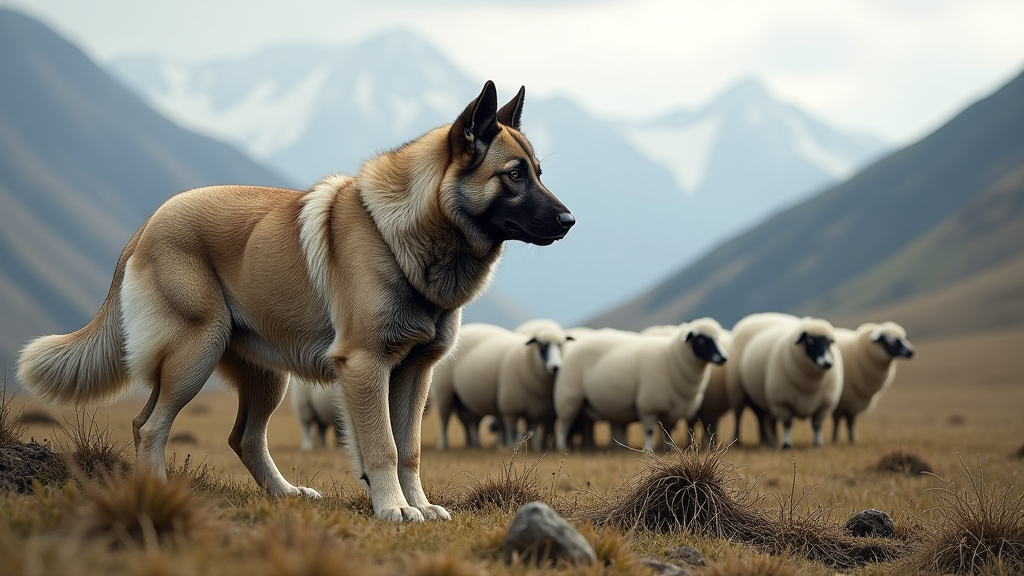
{"x":400,"y":191}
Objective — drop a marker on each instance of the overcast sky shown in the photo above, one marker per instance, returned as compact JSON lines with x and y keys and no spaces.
{"x":893,"y":68}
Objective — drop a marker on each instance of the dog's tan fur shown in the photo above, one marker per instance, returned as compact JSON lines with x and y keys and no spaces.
{"x":359,"y":279}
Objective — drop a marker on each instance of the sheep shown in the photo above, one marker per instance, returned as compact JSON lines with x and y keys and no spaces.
{"x":868,"y":368}
{"x":508,"y":374}
{"x":531,"y":327}
{"x":314,"y":405}
{"x":716,"y":401}
{"x":623,"y":377}
{"x":788,"y":368}
{"x":442,"y":384}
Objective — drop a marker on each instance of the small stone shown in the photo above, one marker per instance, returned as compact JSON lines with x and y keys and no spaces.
{"x":871,"y":522}
{"x":538,"y":533}
{"x":687,"y":555}
{"x":664,"y":568}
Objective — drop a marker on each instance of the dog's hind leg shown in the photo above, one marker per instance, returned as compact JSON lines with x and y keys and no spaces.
{"x":260,"y":392}
{"x":180,"y":378}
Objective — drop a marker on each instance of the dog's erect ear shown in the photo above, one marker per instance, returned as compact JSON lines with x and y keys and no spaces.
{"x":511,"y":113}
{"x":475,"y":129}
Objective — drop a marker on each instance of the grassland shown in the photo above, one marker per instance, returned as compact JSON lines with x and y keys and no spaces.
{"x":958,"y":407}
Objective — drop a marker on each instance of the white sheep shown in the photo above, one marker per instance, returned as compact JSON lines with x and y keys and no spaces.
{"x":500,"y":372}
{"x":788,"y":368}
{"x":315,"y":405}
{"x":531,"y":327}
{"x":464,"y":358}
{"x":623,"y":377}
{"x":716,"y":402}
{"x":868,"y":368}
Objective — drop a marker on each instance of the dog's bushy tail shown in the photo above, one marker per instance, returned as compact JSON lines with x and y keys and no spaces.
{"x":86,"y":366}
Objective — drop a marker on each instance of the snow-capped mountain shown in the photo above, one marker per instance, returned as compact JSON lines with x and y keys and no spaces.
{"x":749,"y":155}
{"x":649,"y":197}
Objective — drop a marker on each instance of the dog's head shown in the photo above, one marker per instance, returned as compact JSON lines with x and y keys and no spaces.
{"x":497,"y":187}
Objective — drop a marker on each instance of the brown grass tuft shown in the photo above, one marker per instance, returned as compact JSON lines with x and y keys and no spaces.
{"x":697,"y":491}
{"x":10,"y":429}
{"x":138,"y":509}
{"x":91,"y":449}
{"x":441,"y":565}
{"x":975,"y":531}
{"x":1020,"y":452}
{"x":689,"y":490}
{"x":294,"y":546}
{"x":507,"y":491}
{"x":902,"y":462}
{"x":752,"y":565}
{"x":37,"y":417}
{"x":183,"y":438}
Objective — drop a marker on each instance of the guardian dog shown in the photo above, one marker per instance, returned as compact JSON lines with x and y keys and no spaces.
{"x":360,"y":279}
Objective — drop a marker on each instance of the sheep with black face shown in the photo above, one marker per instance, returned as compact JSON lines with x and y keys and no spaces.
{"x":788,"y":367}
{"x":623,"y":377}
{"x":869,"y":367}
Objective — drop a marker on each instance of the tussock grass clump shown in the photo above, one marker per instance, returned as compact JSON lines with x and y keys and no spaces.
{"x":902,"y":462}
{"x":698,"y":492}
{"x":690,"y":490}
{"x":37,"y":417}
{"x":506,"y":491}
{"x":183,"y":438}
{"x":1020,"y":452}
{"x":91,"y":449}
{"x":137,"y":509}
{"x":752,"y":565}
{"x":441,"y":565}
{"x":978,"y":530}
{"x":294,"y":545}
{"x":10,"y":429}
{"x":21,"y":463}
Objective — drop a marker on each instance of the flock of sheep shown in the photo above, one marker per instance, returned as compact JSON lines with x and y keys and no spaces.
{"x":561,"y":381}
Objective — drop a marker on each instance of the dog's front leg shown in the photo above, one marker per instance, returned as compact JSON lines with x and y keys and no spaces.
{"x":410,"y":386}
{"x":364,"y":379}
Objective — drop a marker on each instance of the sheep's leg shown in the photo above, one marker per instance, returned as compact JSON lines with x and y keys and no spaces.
{"x":787,"y":433}
{"x":649,"y":423}
{"x":619,"y":435}
{"x":307,"y":437}
{"x":512,"y":437}
{"x":536,"y":437}
{"x":849,"y":428}
{"x":320,"y":440}
{"x":835,"y":428}
{"x":816,"y":425}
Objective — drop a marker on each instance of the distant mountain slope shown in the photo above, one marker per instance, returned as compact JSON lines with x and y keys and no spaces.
{"x":313,"y":110}
{"x":82,"y":163}
{"x":746,"y":155}
{"x":961,"y":185}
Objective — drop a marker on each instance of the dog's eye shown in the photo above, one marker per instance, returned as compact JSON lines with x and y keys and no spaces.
{"x":515,"y":174}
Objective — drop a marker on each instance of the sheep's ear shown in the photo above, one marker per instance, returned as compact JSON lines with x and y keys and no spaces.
{"x":689,"y":336}
{"x":876,"y":336}
{"x":570,"y":339}
{"x":802,"y":338}
{"x":531,"y":341}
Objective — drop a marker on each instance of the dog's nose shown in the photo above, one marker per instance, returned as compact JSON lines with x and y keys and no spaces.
{"x":566,"y":220}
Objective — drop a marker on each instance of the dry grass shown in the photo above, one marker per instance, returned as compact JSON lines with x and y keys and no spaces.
{"x":511,"y":488}
{"x":136,"y":510}
{"x":91,"y":449}
{"x":972,"y":531}
{"x":253,"y":534}
{"x":902,"y":462}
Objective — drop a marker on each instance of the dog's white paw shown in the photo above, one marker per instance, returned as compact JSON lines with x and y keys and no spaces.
{"x":400,"y":514}
{"x":308,"y":492}
{"x":434,"y":512}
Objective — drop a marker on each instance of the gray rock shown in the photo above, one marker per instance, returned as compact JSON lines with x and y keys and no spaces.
{"x":664,"y":568}
{"x":538,"y":533}
{"x":687,"y":555}
{"x":871,"y":522}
